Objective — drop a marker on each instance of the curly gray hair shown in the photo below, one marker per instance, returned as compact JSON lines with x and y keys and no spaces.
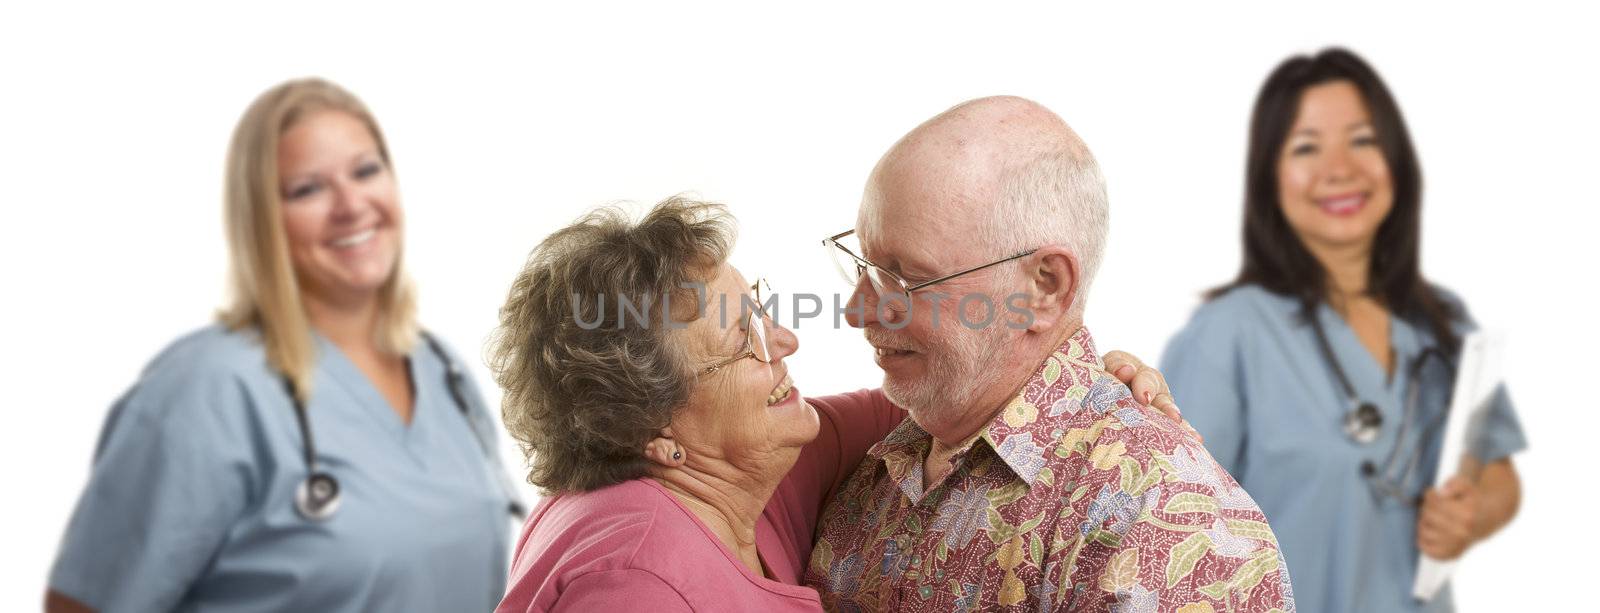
{"x":583,"y":398}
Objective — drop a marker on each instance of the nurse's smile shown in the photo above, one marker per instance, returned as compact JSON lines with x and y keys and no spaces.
{"x":340,"y":206}
{"x":226,"y":480}
{"x":1334,"y":184}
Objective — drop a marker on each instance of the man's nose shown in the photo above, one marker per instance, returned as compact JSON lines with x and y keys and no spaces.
{"x":862,"y":308}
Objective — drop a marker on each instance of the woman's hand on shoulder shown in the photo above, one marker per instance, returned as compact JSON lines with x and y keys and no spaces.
{"x":1148,"y":386}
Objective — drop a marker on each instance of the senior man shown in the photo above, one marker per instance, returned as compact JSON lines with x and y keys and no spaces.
{"x":1024,"y":477}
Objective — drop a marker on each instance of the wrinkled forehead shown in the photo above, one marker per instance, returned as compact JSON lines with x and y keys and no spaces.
{"x":719,"y":318}
{"x":730,"y":284}
{"x":926,"y":204}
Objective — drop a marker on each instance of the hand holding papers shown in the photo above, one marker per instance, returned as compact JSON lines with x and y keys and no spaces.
{"x":1476,"y":377}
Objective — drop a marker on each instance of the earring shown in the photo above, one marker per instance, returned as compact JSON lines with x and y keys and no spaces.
{"x":677,"y":454}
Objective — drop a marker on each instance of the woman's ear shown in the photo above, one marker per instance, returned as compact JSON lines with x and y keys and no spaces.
{"x":664,"y":450}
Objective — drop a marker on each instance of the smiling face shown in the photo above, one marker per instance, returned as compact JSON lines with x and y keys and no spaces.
{"x":1333,"y":182}
{"x":746,"y":408}
{"x":341,"y":212}
{"x":918,"y":219}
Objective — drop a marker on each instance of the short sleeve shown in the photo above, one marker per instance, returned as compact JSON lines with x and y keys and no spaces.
{"x":170,"y":477}
{"x":1155,"y":567}
{"x":619,"y":590}
{"x":1499,"y":433}
{"x":1191,"y":540}
{"x":1202,"y":369}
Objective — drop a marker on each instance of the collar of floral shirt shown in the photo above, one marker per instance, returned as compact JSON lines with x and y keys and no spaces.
{"x":1021,"y":432}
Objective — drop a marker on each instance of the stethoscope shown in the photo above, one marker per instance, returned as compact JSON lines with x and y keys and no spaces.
{"x":317,"y":498}
{"x":1362,"y":422}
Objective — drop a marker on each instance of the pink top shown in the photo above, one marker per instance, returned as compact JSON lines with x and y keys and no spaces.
{"x":634,"y":546}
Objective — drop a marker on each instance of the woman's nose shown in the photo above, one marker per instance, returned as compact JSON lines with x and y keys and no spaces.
{"x":783,"y":341}
{"x":347,"y":199}
{"x":1337,"y":165}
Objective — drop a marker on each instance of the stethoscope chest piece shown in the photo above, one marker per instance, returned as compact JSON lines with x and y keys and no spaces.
{"x":317,"y":498}
{"x":1363,"y":423}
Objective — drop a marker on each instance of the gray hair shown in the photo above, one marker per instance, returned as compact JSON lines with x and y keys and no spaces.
{"x":1056,"y":198}
{"x":583,"y":399}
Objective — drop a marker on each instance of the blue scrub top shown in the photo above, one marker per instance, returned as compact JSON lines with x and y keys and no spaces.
{"x":1249,"y":376}
{"x":190,"y":503}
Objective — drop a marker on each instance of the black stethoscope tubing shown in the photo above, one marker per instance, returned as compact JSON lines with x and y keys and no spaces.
{"x":1362,"y":423}
{"x":318,"y":497}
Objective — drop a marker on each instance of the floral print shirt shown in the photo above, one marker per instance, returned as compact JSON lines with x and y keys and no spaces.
{"x":1075,"y":498}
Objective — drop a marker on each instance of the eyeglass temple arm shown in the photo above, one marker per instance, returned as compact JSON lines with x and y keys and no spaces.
{"x":973,"y":269}
{"x":724,"y":363}
{"x":833,"y":241}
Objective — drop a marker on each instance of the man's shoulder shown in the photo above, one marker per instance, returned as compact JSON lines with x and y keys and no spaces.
{"x":1111,"y":426}
{"x":1141,"y":489}
{"x":1124,"y":454}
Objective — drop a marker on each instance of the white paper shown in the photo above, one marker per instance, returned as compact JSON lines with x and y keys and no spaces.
{"x":1476,"y":378}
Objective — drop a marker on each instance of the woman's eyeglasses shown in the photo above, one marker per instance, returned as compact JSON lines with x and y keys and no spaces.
{"x":755,"y":331}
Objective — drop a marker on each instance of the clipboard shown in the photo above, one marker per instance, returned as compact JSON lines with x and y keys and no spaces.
{"x":1479,"y":373}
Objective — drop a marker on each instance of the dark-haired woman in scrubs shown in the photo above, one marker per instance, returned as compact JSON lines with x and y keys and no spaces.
{"x":1320,"y":376}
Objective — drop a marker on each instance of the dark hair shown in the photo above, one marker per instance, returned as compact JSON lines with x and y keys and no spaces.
{"x":1274,"y":257}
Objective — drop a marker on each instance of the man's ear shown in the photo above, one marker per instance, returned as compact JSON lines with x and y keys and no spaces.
{"x":1050,"y":276}
{"x":664,"y":449}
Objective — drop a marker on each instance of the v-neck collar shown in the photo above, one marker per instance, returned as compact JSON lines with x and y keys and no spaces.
{"x":349,"y":379}
{"x":1367,"y":376}
{"x":1366,"y":373}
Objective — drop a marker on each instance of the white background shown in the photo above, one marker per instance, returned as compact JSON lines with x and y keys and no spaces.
{"x":508,"y":122}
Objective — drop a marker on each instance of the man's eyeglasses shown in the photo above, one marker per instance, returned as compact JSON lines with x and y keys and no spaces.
{"x":755,"y":332}
{"x":893,"y":291}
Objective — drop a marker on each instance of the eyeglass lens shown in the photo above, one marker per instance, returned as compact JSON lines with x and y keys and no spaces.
{"x":891,"y":291}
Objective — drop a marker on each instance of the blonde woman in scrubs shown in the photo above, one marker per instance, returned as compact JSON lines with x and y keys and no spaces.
{"x":1321,"y":375}
{"x":201,"y":495}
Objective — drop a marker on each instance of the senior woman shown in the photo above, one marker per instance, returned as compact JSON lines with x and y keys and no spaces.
{"x":209,"y":491}
{"x":686,"y":471}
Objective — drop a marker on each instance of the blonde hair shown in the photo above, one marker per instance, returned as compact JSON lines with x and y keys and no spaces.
{"x":265,"y":294}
